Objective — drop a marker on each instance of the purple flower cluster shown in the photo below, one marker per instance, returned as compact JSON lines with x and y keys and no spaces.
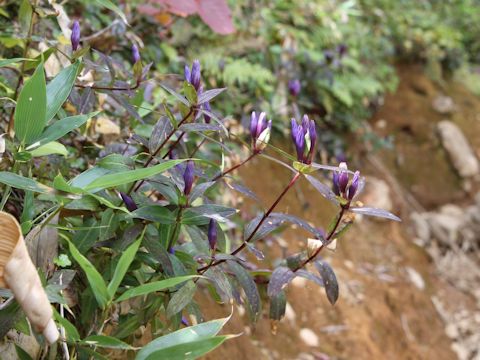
{"x":75,"y":37}
{"x":341,"y":180}
{"x":192,"y":75}
{"x":304,"y":137}
{"x":260,"y":131}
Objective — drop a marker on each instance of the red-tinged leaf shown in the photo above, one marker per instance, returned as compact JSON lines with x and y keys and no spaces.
{"x":329,"y":280}
{"x":216,"y":14}
{"x":280,"y":278}
{"x":375,"y":212}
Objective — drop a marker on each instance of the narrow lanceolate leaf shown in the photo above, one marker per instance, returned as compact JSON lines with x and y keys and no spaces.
{"x":53,"y":147}
{"x":20,"y":182}
{"x":146,"y":289}
{"x":181,"y":298}
{"x":111,"y":6}
{"x":249,"y":287}
{"x":95,"y":280}
{"x":188,"y":335}
{"x":125,"y":177}
{"x":59,"y":88}
{"x":106,"y":342}
{"x":179,"y":97}
{"x":162,"y":128}
{"x":194,"y":127}
{"x":280,"y":278}
{"x":7,"y":62}
{"x":61,"y":128}
{"x":156,"y":213}
{"x":329,"y":280}
{"x":323,"y":189}
{"x":123,"y":265}
{"x":31,"y":108}
{"x":375,"y":212}
{"x":209,"y":95}
{"x":278,"y":305}
{"x":188,"y":351}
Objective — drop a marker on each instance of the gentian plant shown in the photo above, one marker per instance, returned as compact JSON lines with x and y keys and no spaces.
{"x":141,"y":221}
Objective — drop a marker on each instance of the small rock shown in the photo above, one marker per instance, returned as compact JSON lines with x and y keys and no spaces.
{"x":290,"y":314}
{"x":420,"y":225}
{"x":443,"y":105}
{"x":309,"y":337}
{"x":452,"y":331}
{"x":415,"y":278}
{"x":458,"y":149}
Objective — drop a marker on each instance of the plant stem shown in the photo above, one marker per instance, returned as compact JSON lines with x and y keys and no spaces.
{"x":176,"y":228}
{"x":222,"y":174}
{"x":152,"y":156}
{"x":262,"y":220}
{"x":94,"y":87}
{"x":328,"y":239}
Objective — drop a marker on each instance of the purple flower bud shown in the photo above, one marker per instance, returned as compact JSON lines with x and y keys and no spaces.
{"x":253,"y":126}
{"x":206,"y":107}
{"x":212,"y":234}
{"x":300,"y":144}
{"x":294,"y":87}
{"x":336,"y":186}
{"x":312,"y":131}
{"x":352,"y":190}
{"x":305,"y":124}
{"x":261,"y":124}
{"x":129,"y":203}
{"x":135,"y":54}
{"x":171,"y":250}
{"x":188,"y":177}
{"x":187,"y":73}
{"x":294,"y":129}
{"x":329,"y":56}
{"x":75,"y":37}
{"x":343,"y":178}
{"x":195,"y":76}
{"x":263,"y":138}
{"x":342,"y":50}
{"x":185,"y":321}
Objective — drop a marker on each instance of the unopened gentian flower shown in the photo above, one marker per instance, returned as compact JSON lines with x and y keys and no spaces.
{"x":188,"y":177}
{"x":75,"y":37}
{"x":193,"y":75}
{"x":304,"y":137}
{"x":129,"y":203}
{"x":341,"y":186}
{"x":260,"y":131}
{"x":212,"y":234}
{"x":294,"y":87}
{"x":135,"y":54}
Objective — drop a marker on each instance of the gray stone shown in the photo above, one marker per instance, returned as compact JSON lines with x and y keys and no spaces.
{"x":376,"y":194}
{"x":420,"y":226}
{"x":458,"y":149}
{"x":443,"y":104}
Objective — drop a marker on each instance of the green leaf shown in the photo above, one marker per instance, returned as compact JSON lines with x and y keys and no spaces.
{"x":190,"y":335}
{"x":188,"y":351}
{"x":31,"y":108}
{"x":7,"y":62}
{"x":25,"y":15}
{"x":157,"y":213}
{"x":154,"y":286}
{"x":125,"y":177}
{"x":123,"y":265}
{"x":20,"y":182}
{"x":106,"y":342}
{"x":111,"y":6}
{"x":59,"y":88}
{"x":53,"y":147}
{"x":95,"y":280}
{"x":60,"y":128}
{"x":181,"y":298}
{"x":70,"y":329}
{"x":22,"y":354}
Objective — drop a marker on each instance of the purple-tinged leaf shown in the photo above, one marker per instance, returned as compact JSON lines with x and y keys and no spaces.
{"x":256,"y":252}
{"x":181,"y":298}
{"x":375,"y":212}
{"x":278,"y":162}
{"x":209,"y":95}
{"x":280,"y":278}
{"x":215,"y":118}
{"x":249,"y":287}
{"x":278,"y":305}
{"x":323,"y":189}
{"x":201,"y":215}
{"x":297,"y":221}
{"x":329,"y":168}
{"x":309,"y":276}
{"x":221,"y":283}
{"x":196,"y":127}
{"x":179,"y":97}
{"x":154,"y":213}
{"x":243,"y":190}
{"x":266,"y":228}
{"x":159,"y":133}
{"x":200,"y":189}
{"x":329,"y":280}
